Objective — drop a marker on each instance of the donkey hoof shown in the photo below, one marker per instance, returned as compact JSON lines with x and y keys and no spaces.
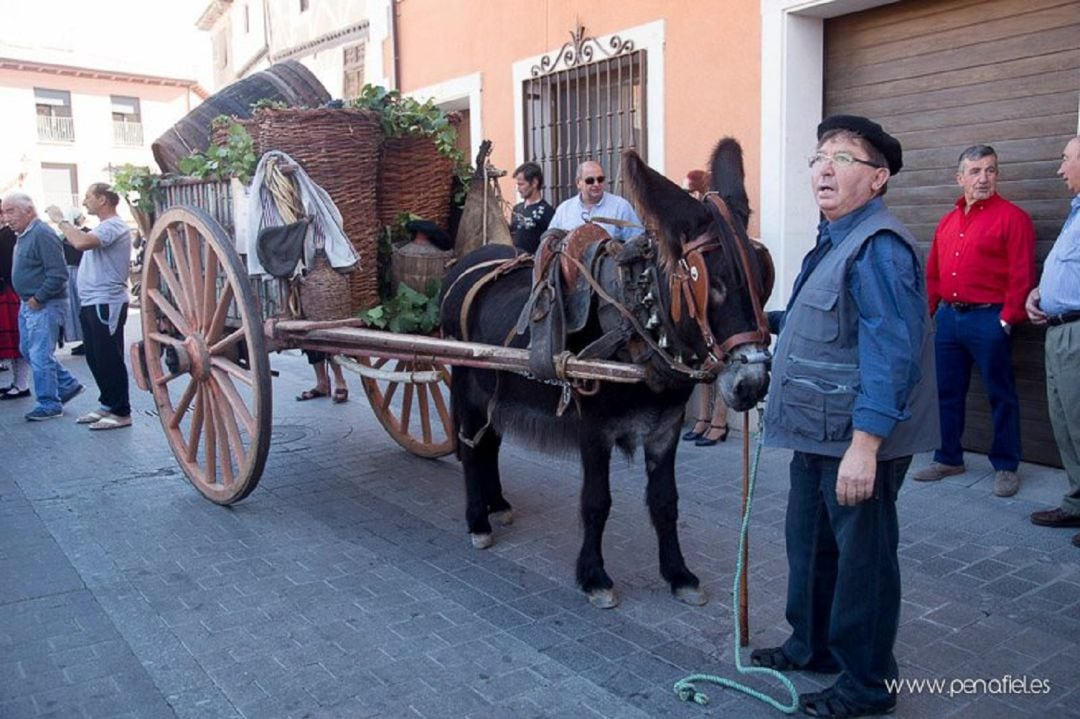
{"x":603,"y":598}
{"x":481,"y":541}
{"x":504,"y":518}
{"x":693,"y":596}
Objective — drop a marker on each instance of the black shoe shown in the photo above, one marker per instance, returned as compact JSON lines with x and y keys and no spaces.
{"x":707,"y":441}
{"x":80,"y":350}
{"x":12,"y":392}
{"x":692,"y":435}
{"x":829,"y":703}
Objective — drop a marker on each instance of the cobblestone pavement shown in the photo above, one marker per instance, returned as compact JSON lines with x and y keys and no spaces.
{"x":345,"y":585}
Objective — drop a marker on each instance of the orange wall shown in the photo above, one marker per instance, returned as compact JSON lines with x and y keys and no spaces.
{"x":712,"y":64}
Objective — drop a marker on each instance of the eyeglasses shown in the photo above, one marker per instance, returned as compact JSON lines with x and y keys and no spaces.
{"x":594,"y":180}
{"x":839,"y":159}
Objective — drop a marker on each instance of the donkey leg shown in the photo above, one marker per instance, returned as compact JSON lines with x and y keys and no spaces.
{"x":662,"y":498}
{"x":480,"y":463}
{"x":595,"y":508}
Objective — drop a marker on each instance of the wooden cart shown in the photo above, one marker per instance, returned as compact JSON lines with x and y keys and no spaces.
{"x":208,"y":329}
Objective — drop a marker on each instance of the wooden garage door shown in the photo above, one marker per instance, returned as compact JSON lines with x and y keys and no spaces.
{"x":945,"y":74}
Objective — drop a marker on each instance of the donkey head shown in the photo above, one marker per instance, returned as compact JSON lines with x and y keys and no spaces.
{"x":708,"y":262}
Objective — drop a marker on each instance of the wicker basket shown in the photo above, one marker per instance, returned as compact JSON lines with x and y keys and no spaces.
{"x":414,"y":177}
{"x":324,"y":292}
{"x":339,"y":150}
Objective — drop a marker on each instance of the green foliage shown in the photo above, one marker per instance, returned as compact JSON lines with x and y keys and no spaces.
{"x":408,"y":311}
{"x":266,"y":103}
{"x":138,"y":186}
{"x":235,"y":159}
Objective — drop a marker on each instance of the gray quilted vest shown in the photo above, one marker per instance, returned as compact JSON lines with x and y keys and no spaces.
{"x":815,"y":372}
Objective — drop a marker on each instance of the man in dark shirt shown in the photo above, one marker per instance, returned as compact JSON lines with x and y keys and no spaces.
{"x":532,"y":215}
{"x":979,"y":271}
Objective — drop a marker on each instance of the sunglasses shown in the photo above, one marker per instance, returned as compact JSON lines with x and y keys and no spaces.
{"x":594,"y":180}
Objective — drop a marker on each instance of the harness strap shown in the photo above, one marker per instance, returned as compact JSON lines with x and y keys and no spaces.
{"x":613,"y":222}
{"x":501,"y":267}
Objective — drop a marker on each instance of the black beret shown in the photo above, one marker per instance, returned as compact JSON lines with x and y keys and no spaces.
{"x":870,"y":131}
{"x":433,"y":232}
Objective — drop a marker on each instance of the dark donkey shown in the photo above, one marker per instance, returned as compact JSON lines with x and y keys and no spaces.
{"x":685,"y":305}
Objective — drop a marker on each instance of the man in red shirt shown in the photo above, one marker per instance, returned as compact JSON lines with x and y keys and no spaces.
{"x":980,"y":269}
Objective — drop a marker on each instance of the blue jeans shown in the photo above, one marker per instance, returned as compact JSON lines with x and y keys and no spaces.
{"x":843,"y":600}
{"x":39,"y":331}
{"x":963,"y":339}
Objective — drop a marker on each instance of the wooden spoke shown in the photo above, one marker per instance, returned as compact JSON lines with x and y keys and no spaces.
{"x":172,"y":282}
{"x":435,"y":437}
{"x":217,"y":322}
{"x":197,"y":419}
{"x":425,"y":417}
{"x":198,"y":277}
{"x":185,"y":274}
{"x":235,"y":370}
{"x":169,"y":311}
{"x":218,"y":425}
{"x":235,"y":401}
{"x":210,"y":302}
{"x":182,"y":405}
{"x":440,"y":404}
{"x":221,"y":345}
{"x":166,"y":339}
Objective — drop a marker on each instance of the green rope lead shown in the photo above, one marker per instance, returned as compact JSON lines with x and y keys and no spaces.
{"x":684,"y":688}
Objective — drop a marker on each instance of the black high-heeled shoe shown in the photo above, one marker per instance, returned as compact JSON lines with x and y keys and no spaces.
{"x":691,"y":435}
{"x":709,"y":442}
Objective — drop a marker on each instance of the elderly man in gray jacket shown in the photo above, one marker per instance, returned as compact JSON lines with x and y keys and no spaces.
{"x":39,"y":277}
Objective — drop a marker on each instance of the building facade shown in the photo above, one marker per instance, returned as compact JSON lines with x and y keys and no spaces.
{"x":67,"y":126}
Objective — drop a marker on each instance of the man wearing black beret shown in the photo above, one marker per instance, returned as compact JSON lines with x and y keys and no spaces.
{"x":853,"y":394}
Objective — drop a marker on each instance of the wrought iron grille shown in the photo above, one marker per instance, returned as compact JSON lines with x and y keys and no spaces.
{"x":587,"y":110}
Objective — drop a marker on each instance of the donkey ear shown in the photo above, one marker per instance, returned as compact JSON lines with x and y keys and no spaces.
{"x":663,"y":204}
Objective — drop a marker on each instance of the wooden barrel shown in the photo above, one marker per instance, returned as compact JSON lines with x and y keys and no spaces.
{"x":288,"y":82}
{"x":416,"y":264}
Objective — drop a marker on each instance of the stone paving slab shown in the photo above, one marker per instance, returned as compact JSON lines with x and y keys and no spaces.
{"x":345,"y":585}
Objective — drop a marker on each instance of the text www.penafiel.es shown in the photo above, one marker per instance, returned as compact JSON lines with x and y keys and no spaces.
{"x":1007,"y":684}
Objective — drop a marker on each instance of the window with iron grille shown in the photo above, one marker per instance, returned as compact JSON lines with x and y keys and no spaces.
{"x":353,"y":68}
{"x":54,"y":120}
{"x":590,"y":111}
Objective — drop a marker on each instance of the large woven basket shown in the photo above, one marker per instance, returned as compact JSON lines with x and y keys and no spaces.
{"x":414,"y":177}
{"x":339,"y":150}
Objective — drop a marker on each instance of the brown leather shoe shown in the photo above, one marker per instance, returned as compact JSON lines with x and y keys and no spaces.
{"x":936,"y":470}
{"x":1056,"y":517}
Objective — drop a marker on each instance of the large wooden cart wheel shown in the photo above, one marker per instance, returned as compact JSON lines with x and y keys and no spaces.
{"x":205,"y":355}
{"x":412,"y":402}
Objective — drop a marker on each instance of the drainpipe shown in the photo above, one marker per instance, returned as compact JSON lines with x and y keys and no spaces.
{"x":396,"y":82}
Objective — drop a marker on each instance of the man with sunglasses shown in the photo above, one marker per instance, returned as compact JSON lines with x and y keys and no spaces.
{"x":593,"y":201}
{"x":978,"y":273}
{"x":853,"y":394}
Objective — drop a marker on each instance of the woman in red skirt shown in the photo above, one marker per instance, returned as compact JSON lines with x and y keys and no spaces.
{"x":9,"y":323}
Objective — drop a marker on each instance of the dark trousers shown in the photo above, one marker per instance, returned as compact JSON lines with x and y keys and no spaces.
{"x":843,"y":600}
{"x":963,"y":339}
{"x":105,"y":357}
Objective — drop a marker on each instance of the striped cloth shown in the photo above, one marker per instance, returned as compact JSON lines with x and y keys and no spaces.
{"x":326,"y":231}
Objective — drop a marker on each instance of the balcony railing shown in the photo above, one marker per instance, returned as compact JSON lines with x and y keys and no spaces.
{"x":127,"y":133}
{"x":56,"y":129}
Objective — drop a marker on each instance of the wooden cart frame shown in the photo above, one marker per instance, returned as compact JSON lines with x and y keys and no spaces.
{"x":208,"y":329}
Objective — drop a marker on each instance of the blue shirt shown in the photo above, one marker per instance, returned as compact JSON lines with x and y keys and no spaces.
{"x":1059,"y":288}
{"x":38,"y":268}
{"x":885,"y":283}
{"x":572,"y":214}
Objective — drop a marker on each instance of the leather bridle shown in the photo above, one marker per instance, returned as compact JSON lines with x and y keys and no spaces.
{"x":689,"y":285}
